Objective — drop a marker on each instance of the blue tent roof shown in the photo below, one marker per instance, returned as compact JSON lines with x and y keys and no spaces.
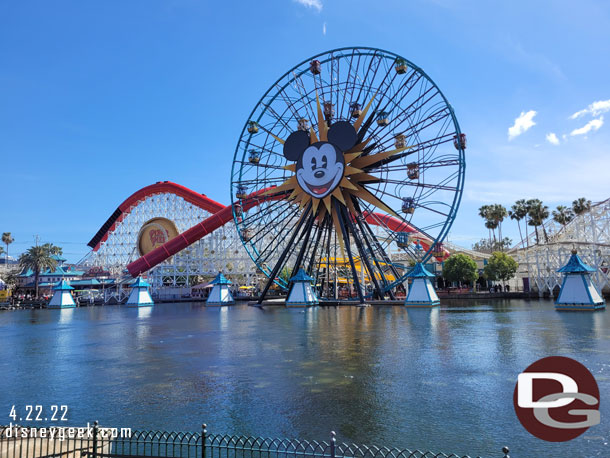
{"x":139,"y":283}
{"x":90,"y":281}
{"x":63,"y":286}
{"x":419,"y":271}
{"x":301,"y":276}
{"x":26,"y":273}
{"x":220,"y":280}
{"x":58,"y":272}
{"x":575,"y":265}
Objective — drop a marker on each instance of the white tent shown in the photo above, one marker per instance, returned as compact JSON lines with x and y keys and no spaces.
{"x":301,"y":293}
{"x":577,"y":291}
{"x":421,"y":290}
{"x":62,"y":296}
{"x":139,"y":296}
{"x":220,"y":294}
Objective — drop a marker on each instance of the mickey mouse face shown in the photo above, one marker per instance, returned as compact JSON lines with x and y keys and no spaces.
{"x":320,"y":166}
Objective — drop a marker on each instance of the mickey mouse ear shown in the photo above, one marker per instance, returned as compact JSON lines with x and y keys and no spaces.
{"x":295,"y":144}
{"x":343,"y":135}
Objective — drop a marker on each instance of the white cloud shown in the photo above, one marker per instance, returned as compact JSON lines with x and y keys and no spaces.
{"x":595,"y":124}
{"x":518,"y":174}
{"x":324,"y":29}
{"x":315,"y":4}
{"x":522,"y":124}
{"x":552,"y":138}
{"x":596,"y":108}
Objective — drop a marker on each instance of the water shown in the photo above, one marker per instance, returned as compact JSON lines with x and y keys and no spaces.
{"x":428,"y":379}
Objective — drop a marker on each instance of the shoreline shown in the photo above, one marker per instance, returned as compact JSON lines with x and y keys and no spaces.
{"x":279,"y":302}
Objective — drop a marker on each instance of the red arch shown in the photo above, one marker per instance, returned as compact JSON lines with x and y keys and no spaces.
{"x":160,"y":187}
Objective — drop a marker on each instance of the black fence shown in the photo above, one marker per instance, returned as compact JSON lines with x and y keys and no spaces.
{"x":94,"y":441}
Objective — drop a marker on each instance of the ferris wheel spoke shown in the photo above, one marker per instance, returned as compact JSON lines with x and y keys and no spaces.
{"x":290,"y":104}
{"x":284,"y":253}
{"x":438,"y":212}
{"x":435,"y":187}
{"x":263,"y":211}
{"x":264,"y":166}
{"x":267,"y":181}
{"x":276,"y":241}
{"x":394,"y":169}
{"x":363,"y":258}
{"x":397,"y":102}
{"x":422,"y":146}
{"x":361,"y":222}
{"x":283,"y":236}
{"x":347,"y":85}
{"x":419,"y":126}
{"x":381,"y":252}
{"x":303,"y":96}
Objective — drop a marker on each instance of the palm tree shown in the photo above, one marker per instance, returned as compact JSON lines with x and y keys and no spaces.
{"x":538,"y":213}
{"x":581,"y":205}
{"x":563,"y":215}
{"x":485,"y":213}
{"x":37,"y":258}
{"x":491,"y":225}
{"x":7,"y":239}
{"x":497,"y":214}
{"x":53,"y":249}
{"x":518,"y":211}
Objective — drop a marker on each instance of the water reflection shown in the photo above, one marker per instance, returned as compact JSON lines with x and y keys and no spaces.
{"x":438,"y":378}
{"x":66,"y":315}
{"x":144,"y":312}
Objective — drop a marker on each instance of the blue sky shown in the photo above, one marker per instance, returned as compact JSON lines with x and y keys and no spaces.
{"x":101,"y":98}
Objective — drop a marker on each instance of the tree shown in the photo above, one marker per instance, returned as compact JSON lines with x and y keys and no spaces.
{"x":493,"y":215}
{"x":7,"y":239}
{"x":485,"y":213}
{"x":518,"y":211}
{"x":563,"y":215}
{"x":497,"y":215}
{"x":581,"y":205}
{"x":285,"y":274}
{"x":492,"y":226}
{"x":500,"y":267}
{"x":11,"y":279}
{"x":460,"y":268}
{"x":538,"y":213}
{"x":53,"y":249}
{"x":484,"y":246}
{"x":37,"y":258}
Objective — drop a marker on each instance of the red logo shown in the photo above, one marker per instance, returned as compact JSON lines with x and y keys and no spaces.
{"x":157,"y":237}
{"x":557,"y":399}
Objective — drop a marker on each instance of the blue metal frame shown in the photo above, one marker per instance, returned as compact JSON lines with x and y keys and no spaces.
{"x":366,"y":51}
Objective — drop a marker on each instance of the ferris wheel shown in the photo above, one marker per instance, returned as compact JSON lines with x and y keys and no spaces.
{"x":347,"y":153}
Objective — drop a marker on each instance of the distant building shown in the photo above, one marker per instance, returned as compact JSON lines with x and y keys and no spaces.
{"x":48,"y":278}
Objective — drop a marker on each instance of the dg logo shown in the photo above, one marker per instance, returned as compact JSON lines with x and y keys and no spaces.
{"x":557,"y":399}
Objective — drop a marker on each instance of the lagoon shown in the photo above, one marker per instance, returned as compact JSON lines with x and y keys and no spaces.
{"x":439,"y":379}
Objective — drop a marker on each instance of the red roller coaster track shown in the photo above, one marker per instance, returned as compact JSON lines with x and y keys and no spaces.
{"x":221,"y":215}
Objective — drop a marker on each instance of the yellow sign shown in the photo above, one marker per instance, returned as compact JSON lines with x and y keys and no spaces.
{"x":3,"y":295}
{"x":155,"y":233}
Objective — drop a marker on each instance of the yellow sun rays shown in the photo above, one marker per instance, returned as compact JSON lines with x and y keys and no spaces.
{"x":352,"y":183}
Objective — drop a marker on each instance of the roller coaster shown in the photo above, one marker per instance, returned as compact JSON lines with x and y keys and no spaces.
{"x":207,"y":241}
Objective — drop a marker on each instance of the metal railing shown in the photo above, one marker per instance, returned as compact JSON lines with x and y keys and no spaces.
{"x":94,"y":441}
